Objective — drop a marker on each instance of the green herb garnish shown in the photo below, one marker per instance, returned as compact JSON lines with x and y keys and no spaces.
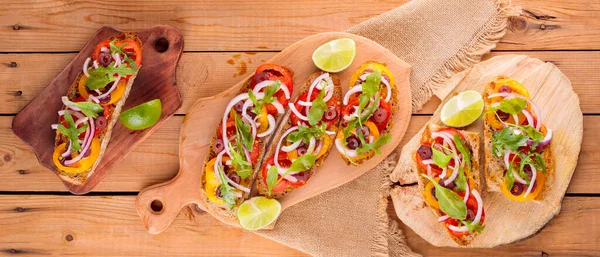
{"x":303,"y":163}
{"x":305,"y":133}
{"x":101,"y":76}
{"x":71,"y":131}
{"x":440,"y":159}
{"x":88,"y":108}
{"x":510,"y":106}
{"x":227,"y":191}
{"x":318,"y":108}
{"x":450,"y":202}
{"x":268,"y":97}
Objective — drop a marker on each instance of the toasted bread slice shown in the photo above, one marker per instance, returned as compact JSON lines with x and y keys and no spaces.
{"x":359,"y":159}
{"x":104,"y":136}
{"x":495,"y":169}
{"x":286,"y":124}
{"x":220,"y":208}
{"x":473,"y":142}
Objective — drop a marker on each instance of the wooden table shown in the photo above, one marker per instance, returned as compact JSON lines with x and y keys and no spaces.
{"x":224,"y":42}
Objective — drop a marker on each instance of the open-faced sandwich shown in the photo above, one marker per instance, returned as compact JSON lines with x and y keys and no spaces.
{"x":518,"y":154}
{"x":368,"y":108}
{"x":92,"y":106}
{"x":248,"y":124}
{"x":304,"y":139}
{"x":447,"y":164}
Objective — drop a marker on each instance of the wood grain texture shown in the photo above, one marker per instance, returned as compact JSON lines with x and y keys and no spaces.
{"x":559,"y":106}
{"x":235,"y":25}
{"x":207,"y":113}
{"x":156,"y":160}
{"x":155,"y":80}
{"x":109,"y":226}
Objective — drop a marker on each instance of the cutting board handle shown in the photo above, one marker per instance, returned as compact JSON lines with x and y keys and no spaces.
{"x":159,"y":205}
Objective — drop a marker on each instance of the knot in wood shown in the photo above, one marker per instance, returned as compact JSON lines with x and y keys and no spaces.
{"x":16,"y":27}
{"x":7,"y":158}
{"x":12,"y":64}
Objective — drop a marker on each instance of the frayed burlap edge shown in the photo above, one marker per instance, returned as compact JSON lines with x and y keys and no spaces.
{"x":483,"y":42}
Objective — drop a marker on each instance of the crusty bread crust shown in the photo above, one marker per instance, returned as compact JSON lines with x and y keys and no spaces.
{"x":81,"y":178}
{"x":286,"y":124}
{"x":494,"y":166}
{"x":474,"y":144}
{"x":394,"y":103}
{"x":222,"y":209}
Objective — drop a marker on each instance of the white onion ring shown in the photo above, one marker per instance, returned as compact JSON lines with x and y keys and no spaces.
{"x":529,"y":117}
{"x":296,"y":112}
{"x":477,"y":218}
{"x":467,"y":189}
{"x":271,"y":128}
{"x":311,"y":145}
{"x":117,"y":58}
{"x":278,"y":106}
{"x":86,"y":142}
{"x":85,"y":66}
{"x":344,"y":150}
{"x":112,"y":88}
{"x":217,"y":164}
{"x":350,"y":92}
{"x":279,"y":145}
{"x":236,"y":185}
{"x":252,"y":124}
{"x":331,"y":133}
{"x":428,"y":162}
{"x":95,"y":63}
{"x":443,"y":218}
{"x":323,"y":77}
{"x":230,"y":105}
{"x":533,"y":177}
{"x":292,"y":147}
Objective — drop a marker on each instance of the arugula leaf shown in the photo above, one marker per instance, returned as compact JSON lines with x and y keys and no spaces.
{"x":461,"y":180}
{"x":540,"y":164}
{"x":243,"y":132}
{"x":532,"y":133}
{"x":371,"y":84}
{"x":305,"y":133}
{"x":440,"y":159}
{"x":119,"y":49}
{"x":366,"y":147}
{"x":510,"y":106}
{"x":242,"y":167}
{"x":303,"y":163}
{"x":272,"y":178}
{"x":510,"y":178}
{"x":101,"y":76}
{"x":315,"y":113}
{"x":461,"y":146}
{"x":88,"y":108}
{"x":227,"y":191}
{"x":71,"y":131}
{"x":507,"y":139}
{"x":473,"y":227}
{"x":450,"y":202}
{"x":268,"y":97}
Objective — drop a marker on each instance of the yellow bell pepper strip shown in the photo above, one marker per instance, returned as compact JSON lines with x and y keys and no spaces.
{"x":80,"y":166}
{"x":115,"y":95}
{"x":540,"y":181}
{"x":427,"y":194}
{"x":81,"y":87}
{"x":516,"y":88}
{"x":212,"y":183}
{"x":263,"y":120}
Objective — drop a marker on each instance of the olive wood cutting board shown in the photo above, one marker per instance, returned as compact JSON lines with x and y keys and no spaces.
{"x":158,"y":205}
{"x":506,"y":221}
{"x":161,"y":48}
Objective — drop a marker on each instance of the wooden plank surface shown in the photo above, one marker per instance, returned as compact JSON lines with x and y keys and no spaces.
{"x":155,"y":160}
{"x":206,"y":74}
{"x":108,"y":225}
{"x":233,"y":25}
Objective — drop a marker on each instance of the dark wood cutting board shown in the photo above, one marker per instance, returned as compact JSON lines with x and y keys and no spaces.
{"x":161,"y":50}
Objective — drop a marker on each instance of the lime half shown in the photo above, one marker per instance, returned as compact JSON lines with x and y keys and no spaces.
{"x":335,"y":55}
{"x":142,"y":116}
{"x":462,"y":109}
{"x":258,"y":212}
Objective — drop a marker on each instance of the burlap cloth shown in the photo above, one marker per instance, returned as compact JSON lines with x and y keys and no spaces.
{"x":438,"y":38}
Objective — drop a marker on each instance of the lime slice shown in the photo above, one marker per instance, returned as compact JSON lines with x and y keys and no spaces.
{"x":335,"y":55}
{"x":142,"y":116}
{"x":462,"y":109}
{"x":258,"y":212}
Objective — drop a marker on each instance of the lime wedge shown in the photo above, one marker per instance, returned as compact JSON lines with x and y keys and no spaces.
{"x":335,"y":55}
{"x":462,"y":109}
{"x":258,"y":212}
{"x":142,"y":116}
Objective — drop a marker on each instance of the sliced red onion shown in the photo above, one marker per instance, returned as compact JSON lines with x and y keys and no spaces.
{"x":303,"y":103}
{"x":446,"y":137}
{"x":230,"y":105}
{"x":278,"y":106}
{"x":94,"y":98}
{"x":319,"y":146}
{"x":328,"y":92}
{"x":296,"y":112}
{"x":65,"y":101}
{"x":331,"y":133}
{"x":218,"y":163}
{"x":85,"y":66}
{"x":477,"y":218}
{"x":248,"y":159}
{"x":499,"y":94}
{"x":350,"y":92}
{"x":518,"y":178}
{"x":443,"y":218}
{"x":317,"y":81}
{"x":117,"y":58}
{"x":536,"y":110}
{"x":529,"y":118}
{"x":292,"y":147}
{"x":104,"y":49}
{"x":95,"y":63}
{"x":467,"y":189}
{"x":262,"y":85}
{"x":429,"y":173}
{"x":344,"y":150}
{"x":547,"y":139}
{"x":533,"y":177}
{"x":54,"y":126}
{"x":290,"y":178}
{"x":311,"y":146}
{"x":87,"y":141}
{"x":252,"y":124}
{"x":112,"y":88}
{"x":271,"y":128}
{"x":285,"y":90}
{"x":428,"y":162}
{"x":68,"y":151}
{"x":236,"y":185}
{"x":290,"y":130}
{"x":516,"y":118}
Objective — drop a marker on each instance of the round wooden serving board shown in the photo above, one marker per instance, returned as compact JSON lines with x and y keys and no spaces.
{"x":161,"y":48}
{"x":506,"y":221}
{"x":200,"y":123}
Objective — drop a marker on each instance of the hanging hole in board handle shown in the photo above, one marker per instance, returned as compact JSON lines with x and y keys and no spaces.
{"x":156,"y":206}
{"x":161,"y":45}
